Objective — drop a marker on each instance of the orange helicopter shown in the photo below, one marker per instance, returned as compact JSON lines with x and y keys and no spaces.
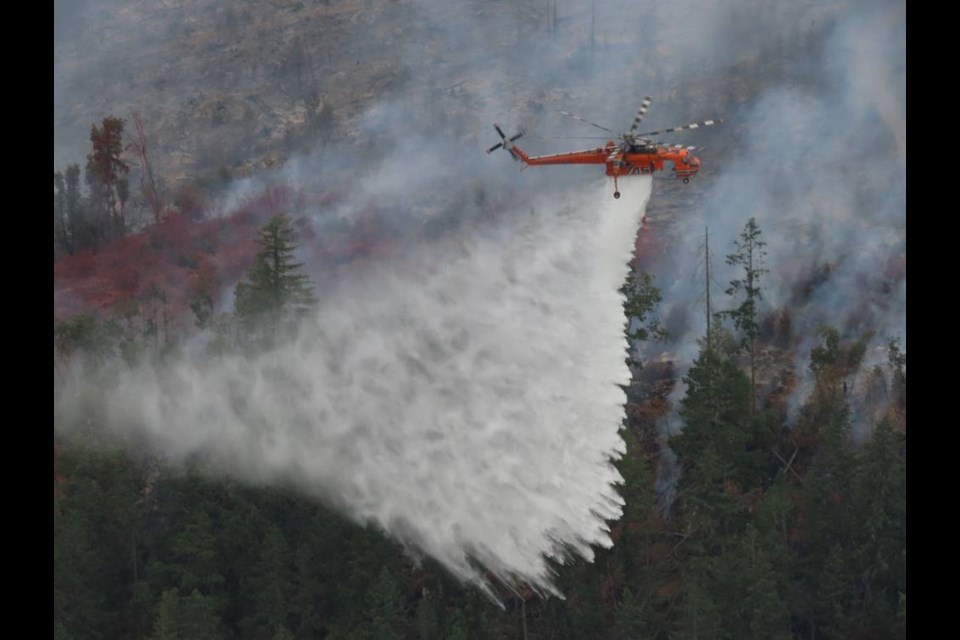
{"x":635,"y":154}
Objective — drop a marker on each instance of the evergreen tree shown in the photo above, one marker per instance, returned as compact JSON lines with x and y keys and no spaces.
{"x":898,"y":366}
{"x":723,"y":450}
{"x":700,"y":617}
{"x":457,"y":627}
{"x":900,"y":627}
{"x":273,"y":294}
{"x":199,"y":618}
{"x":825,"y":423}
{"x":192,"y":617}
{"x":428,"y":619}
{"x":628,"y":618}
{"x":880,"y":505}
{"x":378,"y":616}
{"x":831,"y":587}
{"x":270,"y":585}
{"x":97,"y":512}
{"x":79,"y":598}
{"x":310,"y":590}
{"x":642,"y":298}
{"x":168,"y":610}
{"x":61,"y":233}
{"x":383,"y":607}
{"x":826,"y":566}
{"x":749,"y":256}
{"x":898,"y":363}
{"x":73,"y":196}
{"x":106,"y":173}
{"x":195,"y":562}
{"x":735,"y":592}
{"x":82,"y":233}
{"x":71,"y":230}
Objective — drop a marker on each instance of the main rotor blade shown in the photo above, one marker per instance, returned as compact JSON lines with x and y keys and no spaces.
{"x":517,"y":137}
{"x":569,"y":137}
{"x":494,"y":147}
{"x":592,"y":124}
{"x":500,"y":131}
{"x":640,"y":113}
{"x":695,"y":125}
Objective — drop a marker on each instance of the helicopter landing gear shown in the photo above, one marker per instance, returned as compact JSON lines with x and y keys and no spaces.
{"x":616,"y":195}
{"x":686,"y":181}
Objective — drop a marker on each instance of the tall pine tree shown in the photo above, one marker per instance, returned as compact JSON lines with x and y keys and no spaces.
{"x":274,"y":294}
{"x":749,"y":257}
{"x":106,"y":173}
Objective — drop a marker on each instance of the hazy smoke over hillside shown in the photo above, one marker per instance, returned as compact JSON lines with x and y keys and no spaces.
{"x":465,"y":399}
{"x":820,"y":163}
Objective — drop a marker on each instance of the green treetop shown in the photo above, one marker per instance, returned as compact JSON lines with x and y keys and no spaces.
{"x":274,"y":292}
{"x":749,"y":256}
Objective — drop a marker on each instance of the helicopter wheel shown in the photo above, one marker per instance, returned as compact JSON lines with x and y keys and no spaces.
{"x":686,"y":181}
{"x":616,"y":195}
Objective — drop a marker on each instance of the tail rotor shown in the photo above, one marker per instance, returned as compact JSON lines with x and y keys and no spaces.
{"x":506,"y":143}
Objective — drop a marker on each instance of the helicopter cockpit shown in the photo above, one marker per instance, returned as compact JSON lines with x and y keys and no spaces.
{"x":639,"y":146}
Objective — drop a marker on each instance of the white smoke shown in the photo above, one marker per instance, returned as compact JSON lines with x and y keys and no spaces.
{"x":466,"y":399}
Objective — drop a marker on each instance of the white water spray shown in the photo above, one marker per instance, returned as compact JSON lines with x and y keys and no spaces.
{"x":466,"y":400}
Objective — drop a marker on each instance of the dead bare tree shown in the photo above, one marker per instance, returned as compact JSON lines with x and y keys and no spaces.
{"x":147,"y":184}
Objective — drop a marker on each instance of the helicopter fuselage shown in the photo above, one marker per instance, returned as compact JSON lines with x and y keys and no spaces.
{"x":623,"y":160}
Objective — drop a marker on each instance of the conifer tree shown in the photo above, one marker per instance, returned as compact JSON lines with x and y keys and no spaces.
{"x":880,"y":497}
{"x":713,"y":444}
{"x":106,"y":173}
{"x":748,"y":256}
{"x":642,"y":298}
{"x":271,"y":583}
{"x":194,"y":616}
{"x":274,"y":293}
{"x":428,"y":619}
{"x":898,"y":365}
{"x":61,"y":235}
{"x":77,"y":227}
{"x":69,"y":229}
{"x":165,"y":626}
